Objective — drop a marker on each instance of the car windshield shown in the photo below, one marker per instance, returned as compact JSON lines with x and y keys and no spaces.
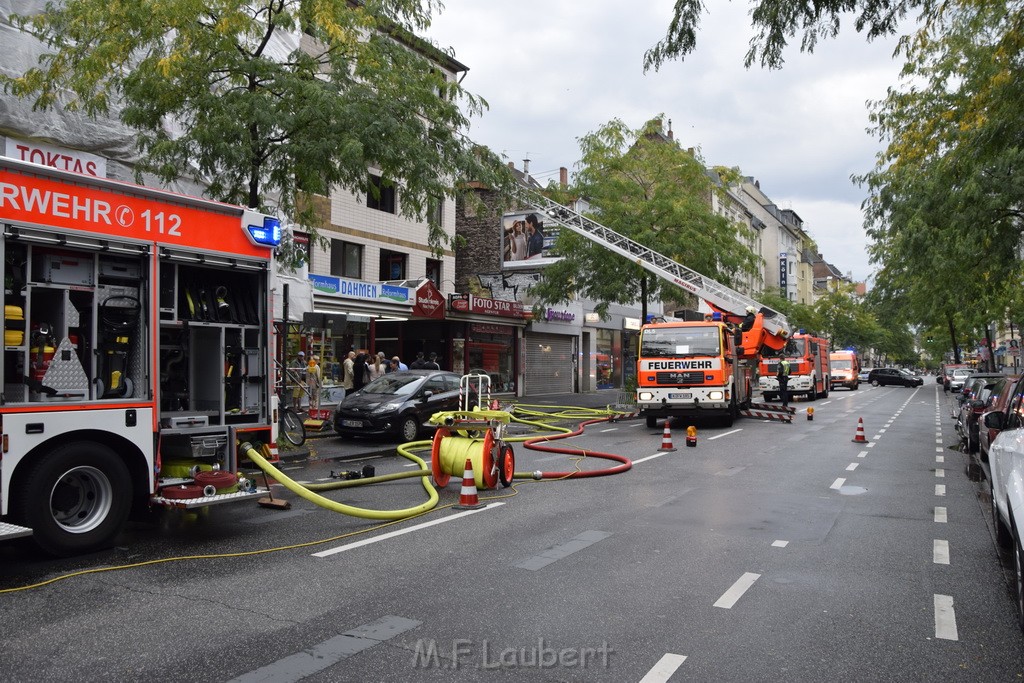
{"x":959,"y":372}
{"x":395,"y":384}
{"x":841,"y":364}
{"x":906,"y":372}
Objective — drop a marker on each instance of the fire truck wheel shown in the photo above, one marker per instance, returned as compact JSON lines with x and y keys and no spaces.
{"x":76,"y":498}
{"x":652,"y":422}
{"x":768,"y":397}
{"x":734,"y":412}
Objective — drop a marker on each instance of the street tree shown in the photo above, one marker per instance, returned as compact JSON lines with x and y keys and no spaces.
{"x":267,"y":103}
{"x":643,"y":185}
{"x":944,"y":209}
{"x":778,"y":21}
{"x":847,"y":322}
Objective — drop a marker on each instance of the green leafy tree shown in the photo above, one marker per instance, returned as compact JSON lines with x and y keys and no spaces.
{"x":847,"y":322}
{"x":944,"y":212}
{"x":778,"y":21}
{"x":645,"y":186}
{"x":273,"y":100}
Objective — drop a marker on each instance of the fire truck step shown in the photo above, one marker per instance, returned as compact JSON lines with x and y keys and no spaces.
{"x":8,"y":531}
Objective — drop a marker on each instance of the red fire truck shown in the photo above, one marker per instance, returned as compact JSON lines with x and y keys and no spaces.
{"x":809,"y":369}
{"x":137,"y":329}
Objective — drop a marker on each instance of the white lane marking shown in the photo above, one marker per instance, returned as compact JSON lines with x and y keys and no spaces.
{"x":876,"y":437}
{"x":663,"y":670}
{"x":945,"y":618}
{"x":650,"y":457}
{"x":293,"y":467}
{"x":939,"y":441}
{"x":824,"y":403}
{"x":401,"y":532}
{"x":870,"y":445}
{"x":940,"y":551}
{"x":940,"y":515}
{"x":938,"y":449}
{"x":737,"y":590}
{"x":862,"y":454}
{"x":940,"y":473}
{"x":940,"y":489}
{"x":719,"y":436}
{"x":780,"y":544}
{"x":837,"y":484}
{"x":610,"y":429}
{"x":852,"y":466}
{"x":940,"y":458}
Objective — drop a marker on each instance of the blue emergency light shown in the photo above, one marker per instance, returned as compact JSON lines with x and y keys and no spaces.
{"x":268,"y":234}
{"x":716,"y":316}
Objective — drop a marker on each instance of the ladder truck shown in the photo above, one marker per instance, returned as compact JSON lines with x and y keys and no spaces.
{"x":687,"y":368}
{"x":137,"y":337}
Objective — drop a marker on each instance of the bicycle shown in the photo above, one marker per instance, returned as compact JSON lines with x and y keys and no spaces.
{"x":290,"y":424}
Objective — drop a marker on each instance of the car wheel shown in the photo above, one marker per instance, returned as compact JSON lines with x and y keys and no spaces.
{"x":409,"y":428}
{"x":874,"y":382}
{"x":1003,"y":536}
{"x":972,"y":440}
{"x":1018,"y":573}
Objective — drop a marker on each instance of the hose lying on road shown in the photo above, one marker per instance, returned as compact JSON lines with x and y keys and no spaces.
{"x":328,"y":504}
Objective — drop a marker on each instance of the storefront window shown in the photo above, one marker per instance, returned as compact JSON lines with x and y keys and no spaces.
{"x":490,"y":350}
{"x":606,"y":363}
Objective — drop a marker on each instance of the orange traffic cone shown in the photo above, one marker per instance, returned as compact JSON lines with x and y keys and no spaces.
{"x":468,"y":499}
{"x":859,"y":437}
{"x":666,"y":437}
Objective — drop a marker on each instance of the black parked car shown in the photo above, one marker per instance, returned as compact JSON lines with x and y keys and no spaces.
{"x":397,"y":404}
{"x":892,"y":376}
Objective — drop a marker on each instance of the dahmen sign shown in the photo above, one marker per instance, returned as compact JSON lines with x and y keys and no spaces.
{"x":467,"y":303}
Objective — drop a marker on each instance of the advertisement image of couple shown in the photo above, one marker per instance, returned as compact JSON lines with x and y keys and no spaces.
{"x":524,"y":238}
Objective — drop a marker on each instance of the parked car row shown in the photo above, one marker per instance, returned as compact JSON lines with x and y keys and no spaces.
{"x":991,"y":425}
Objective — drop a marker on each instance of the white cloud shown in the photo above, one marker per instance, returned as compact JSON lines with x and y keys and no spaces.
{"x":555,"y":71}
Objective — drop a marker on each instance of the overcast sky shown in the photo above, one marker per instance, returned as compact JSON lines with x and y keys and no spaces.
{"x":555,"y":70}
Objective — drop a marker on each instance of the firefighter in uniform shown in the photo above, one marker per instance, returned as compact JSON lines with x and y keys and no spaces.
{"x":783,"y":377}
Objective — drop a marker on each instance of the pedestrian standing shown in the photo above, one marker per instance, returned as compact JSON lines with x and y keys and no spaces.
{"x":419,"y":363}
{"x":346,"y":372}
{"x":432,"y":363}
{"x":783,"y":377}
{"x":397,"y":364}
{"x":314,"y":380}
{"x":297,"y":374}
{"x":378,"y":366}
{"x":360,"y":372}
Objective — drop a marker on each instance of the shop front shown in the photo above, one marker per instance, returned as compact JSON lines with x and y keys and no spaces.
{"x":350,"y":310}
{"x":551,"y":350}
{"x":485,"y":339}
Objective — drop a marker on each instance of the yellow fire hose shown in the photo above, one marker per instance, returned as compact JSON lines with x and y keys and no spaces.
{"x":328,"y":504}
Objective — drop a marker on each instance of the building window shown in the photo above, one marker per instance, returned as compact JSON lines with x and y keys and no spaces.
{"x":381,"y":195}
{"x":434,"y":272}
{"x":346,"y":259}
{"x":435,"y":209}
{"x":392,"y":265}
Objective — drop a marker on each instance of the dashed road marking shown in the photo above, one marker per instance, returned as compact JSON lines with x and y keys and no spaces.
{"x":945,"y":618}
{"x":852,"y":466}
{"x":837,"y":484}
{"x":940,"y":489}
{"x":940,"y":551}
{"x":736,"y":591}
{"x":780,"y":544}
{"x":664,"y":669}
{"x":940,"y":515}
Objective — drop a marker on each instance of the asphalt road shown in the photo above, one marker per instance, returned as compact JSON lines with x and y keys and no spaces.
{"x":766,"y":552}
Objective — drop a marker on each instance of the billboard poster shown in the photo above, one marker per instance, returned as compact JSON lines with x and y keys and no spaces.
{"x":525,"y":241}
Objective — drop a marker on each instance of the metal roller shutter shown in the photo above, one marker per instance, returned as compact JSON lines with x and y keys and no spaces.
{"x":549,"y":364}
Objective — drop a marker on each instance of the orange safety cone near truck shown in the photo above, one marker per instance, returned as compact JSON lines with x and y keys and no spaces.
{"x":468,"y":499}
{"x":666,"y":438}
{"x":859,"y":437}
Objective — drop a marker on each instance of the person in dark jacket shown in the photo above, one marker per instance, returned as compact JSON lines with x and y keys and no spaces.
{"x":360,"y":372}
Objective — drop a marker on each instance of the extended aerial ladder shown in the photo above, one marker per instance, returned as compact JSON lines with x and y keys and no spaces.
{"x":719,"y":297}
{"x":715,"y":293}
